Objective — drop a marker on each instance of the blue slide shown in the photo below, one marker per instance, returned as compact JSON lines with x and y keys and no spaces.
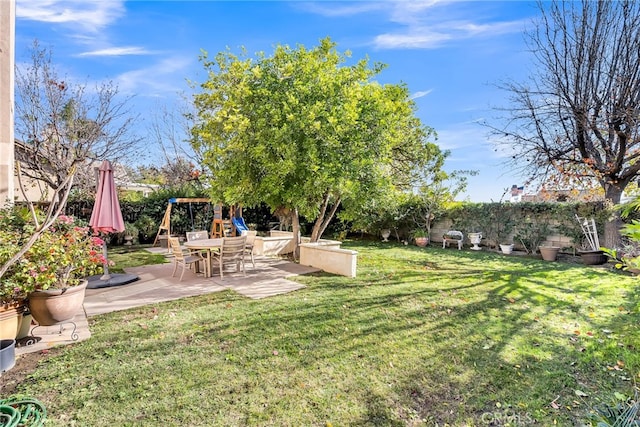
{"x":239,"y":224}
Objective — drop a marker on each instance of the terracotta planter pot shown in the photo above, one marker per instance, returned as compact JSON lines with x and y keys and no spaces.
{"x":549,"y":253}
{"x":25,"y":327}
{"x":10,"y":320}
{"x":422,"y":241}
{"x":55,"y":306}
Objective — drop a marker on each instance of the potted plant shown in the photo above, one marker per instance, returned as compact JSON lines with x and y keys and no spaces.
{"x":12,"y":298}
{"x":25,"y":325}
{"x":532,"y":233}
{"x":421,"y":237}
{"x":11,"y":313}
{"x":147,"y":228}
{"x":497,"y":222}
{"x":504,"y":230}
{"x":503,"y":227}
{"x":130,"y":233}
{"x":51,"y":274}
{"x":385,"y":219}
{"x":549,"y":253}
{"x":506,"y":248}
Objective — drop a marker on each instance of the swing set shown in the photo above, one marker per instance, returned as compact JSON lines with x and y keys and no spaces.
{"x":220,"y":227}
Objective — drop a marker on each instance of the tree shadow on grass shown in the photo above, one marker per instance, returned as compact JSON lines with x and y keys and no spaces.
{"x":443,"y":344}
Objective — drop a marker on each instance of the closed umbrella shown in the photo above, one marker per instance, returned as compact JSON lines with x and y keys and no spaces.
{"x":106,"y":216}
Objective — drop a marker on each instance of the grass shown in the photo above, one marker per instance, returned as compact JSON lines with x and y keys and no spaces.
{"x":421,"y":337}
{"x":132,"y":256}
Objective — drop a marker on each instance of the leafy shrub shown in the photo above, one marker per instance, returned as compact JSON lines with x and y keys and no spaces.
{"x":62,"y":256}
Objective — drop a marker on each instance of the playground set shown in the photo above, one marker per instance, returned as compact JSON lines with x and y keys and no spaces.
{"x":220,"y":227}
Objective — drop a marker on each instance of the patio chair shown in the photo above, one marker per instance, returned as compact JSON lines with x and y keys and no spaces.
{"x":232,"y":251}
{"x":248,"y":247}
{"x":179,"y":257}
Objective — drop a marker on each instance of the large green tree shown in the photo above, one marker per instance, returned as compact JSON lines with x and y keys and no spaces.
{"x":304,"y":131}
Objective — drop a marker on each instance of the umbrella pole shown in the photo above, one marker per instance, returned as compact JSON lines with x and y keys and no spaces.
{"x":106,"y":275}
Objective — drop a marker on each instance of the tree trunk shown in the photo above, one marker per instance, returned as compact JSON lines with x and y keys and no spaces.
{"x":295,"y":225}
{"x":612,"y":239}
{"x":324,"y":218}
{"x":315,"y":232}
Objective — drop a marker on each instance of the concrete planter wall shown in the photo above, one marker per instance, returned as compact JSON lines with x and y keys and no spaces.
{"x":277,"y":243}
{"x":281,"y":243}
{"x":329,"y":257}
{"x":325,"y":254}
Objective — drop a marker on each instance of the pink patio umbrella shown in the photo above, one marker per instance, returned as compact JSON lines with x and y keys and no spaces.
{"x":106,"y":216}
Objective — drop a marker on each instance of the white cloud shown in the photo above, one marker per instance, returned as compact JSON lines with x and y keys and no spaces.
{"x":419,"y":39}
{"x":496,"y":28}
{"x":408,"y":12}
{"x":167,"y":76}
{"x":430,"y":25}
{"x":118,"y":51}
{"x":423,"y":24}
{"x":334,"y":9}
{"x":434,"y":36}
{"x":420,"y":94}
{"x":89,"y":15}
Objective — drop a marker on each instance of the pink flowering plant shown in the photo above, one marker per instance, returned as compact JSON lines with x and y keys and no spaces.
{"x":62,"y":256}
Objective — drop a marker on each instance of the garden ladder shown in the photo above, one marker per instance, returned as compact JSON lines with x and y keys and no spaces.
{"x":590,"y":231}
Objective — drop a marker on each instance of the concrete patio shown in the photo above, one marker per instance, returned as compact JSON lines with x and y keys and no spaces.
{"x":156,"y":285}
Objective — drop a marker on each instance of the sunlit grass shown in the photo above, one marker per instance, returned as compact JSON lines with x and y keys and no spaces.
{"x":132,"y":256}
{"x":421,"y":336}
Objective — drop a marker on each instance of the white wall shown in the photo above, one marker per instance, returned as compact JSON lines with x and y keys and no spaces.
{"x":7,"y":79}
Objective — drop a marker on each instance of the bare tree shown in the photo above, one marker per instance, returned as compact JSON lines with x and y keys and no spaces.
{"x":64,"y":125}
{"x":169,"y":128}
{"x":62,"y":128}
{"x":577,"y":117}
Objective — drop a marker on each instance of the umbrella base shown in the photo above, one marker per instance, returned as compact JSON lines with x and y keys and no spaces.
{"x":95,"y":282}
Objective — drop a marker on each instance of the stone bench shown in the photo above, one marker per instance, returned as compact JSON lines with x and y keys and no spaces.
{"x":452,"y":236}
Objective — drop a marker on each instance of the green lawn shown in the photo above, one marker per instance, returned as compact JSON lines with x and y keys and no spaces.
{"x":132,"y":256}
{"x":420,"y":337}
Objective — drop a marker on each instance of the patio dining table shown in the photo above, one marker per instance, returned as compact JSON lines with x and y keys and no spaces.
{"x":207,"y":245}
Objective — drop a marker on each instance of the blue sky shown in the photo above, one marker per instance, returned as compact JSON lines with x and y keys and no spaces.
{"x":450,"y":54}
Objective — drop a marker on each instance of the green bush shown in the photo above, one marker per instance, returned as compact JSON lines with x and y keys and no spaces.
{"x":147,"y":228}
